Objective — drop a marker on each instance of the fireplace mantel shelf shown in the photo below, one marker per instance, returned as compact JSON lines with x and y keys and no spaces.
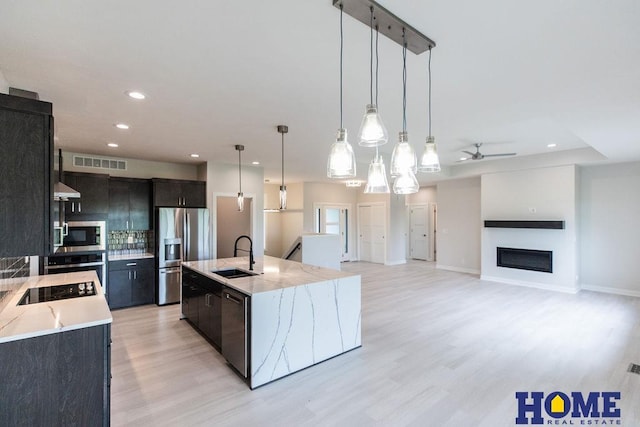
{"x":547,"y":225}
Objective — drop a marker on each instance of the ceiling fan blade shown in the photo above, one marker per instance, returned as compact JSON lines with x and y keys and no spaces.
{"x":468,"y":152}
{"x":500,"y":155}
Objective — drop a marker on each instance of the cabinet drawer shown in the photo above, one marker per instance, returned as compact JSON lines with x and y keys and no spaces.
{"x":138,"y":264}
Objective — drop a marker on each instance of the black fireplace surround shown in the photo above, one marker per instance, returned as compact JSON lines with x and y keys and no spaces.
{"x":525,"y":259}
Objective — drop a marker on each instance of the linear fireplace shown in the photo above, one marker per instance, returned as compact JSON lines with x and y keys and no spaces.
{"x":525,"y":259}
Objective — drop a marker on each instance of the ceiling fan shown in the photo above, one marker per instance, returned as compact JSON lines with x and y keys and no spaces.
{"x":479,"y":156}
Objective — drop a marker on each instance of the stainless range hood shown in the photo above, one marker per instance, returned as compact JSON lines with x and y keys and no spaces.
{"x":62,"y":192}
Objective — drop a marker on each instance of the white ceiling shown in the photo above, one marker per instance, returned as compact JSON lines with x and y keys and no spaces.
{"x":516,"y":75}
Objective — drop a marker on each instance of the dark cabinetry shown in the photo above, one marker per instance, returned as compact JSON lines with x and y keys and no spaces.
{"x":131,"y":282}
{"x":26,"y":163}
{"x":201,"y":304}
{"x":171,"y":192}
{"x":129,"y":204}
{"x":94,"y":195}
{"x":57,"y":379}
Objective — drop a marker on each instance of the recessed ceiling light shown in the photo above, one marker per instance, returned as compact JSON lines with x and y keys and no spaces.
{"x":112,"y":145}
{"x":255,"y":163}
{"x":462,"y":159}
{"x":195,"y":156}
{"x":122,"y":126}
{"x":136,"y":95}
{"x":551,"y":145}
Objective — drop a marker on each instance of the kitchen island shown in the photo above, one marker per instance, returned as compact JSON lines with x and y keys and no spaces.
{"x":55,"y":363}
{"x":296,"y":315}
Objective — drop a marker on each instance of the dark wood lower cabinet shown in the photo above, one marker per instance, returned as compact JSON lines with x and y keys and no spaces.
{"x":60,"y":379}
{"x":131,"y":283}
{"x":201,"y":304}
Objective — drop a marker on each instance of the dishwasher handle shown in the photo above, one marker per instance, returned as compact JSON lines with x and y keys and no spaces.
{"x":233,"y":299}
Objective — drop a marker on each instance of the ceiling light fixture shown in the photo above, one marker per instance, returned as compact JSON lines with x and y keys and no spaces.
{"x":112,"y":145}
{"x":255,"y":163}
{"x":136,"y":95}
{"x":552,"y":145}
{"x":282,"y":129}
{"x":342,"y":161}
{"x":122,"y":126}
{"x":377,"y":178}
{"x":403,"y":158}
{"x":372,"y":133}
{"x":195,"y":155}
{"x":429,"y":162}
{"x":239,"y":149}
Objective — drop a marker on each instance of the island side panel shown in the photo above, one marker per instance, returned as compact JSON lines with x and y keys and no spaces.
{"x":297,"y":327}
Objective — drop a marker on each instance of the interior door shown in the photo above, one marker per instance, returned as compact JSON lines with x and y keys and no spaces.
{"x":335,"y":220}
{"x":372,"y":226}
{"x":418,"y":232}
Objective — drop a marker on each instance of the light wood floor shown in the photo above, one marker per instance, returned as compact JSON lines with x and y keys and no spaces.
{"x":438,"y":349}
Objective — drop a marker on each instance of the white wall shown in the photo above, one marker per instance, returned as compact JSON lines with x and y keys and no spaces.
{"x":144,"y":169}
{"x":537,"y":194}
{"x":423,"y":197}
{"x":222,"y":180}
{"x":458,"y":229}
{"x":609,"y":237}
{"x":398,"y":230}
{"x":4,"y":84}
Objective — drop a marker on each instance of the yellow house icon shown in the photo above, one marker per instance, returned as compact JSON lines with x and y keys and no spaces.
{"x":557,"y":404}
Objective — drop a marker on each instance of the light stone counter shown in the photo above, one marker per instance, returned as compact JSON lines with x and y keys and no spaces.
{"x":127,"y":257}
{"x":300,"y":314}
{"x":27,"y":321}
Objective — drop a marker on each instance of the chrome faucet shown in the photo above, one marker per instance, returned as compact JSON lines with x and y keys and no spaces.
{"x":235,"y":250}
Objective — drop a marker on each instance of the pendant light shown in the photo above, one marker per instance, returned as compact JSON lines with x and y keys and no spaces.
{"x":377,"y":178}
{"x":373,"y":132}
{"x":239,"y":149}
{"x":342,"y":161}
{"x":403,"y":157}
{"x":429,"y":162}
{"x":282,"y":129}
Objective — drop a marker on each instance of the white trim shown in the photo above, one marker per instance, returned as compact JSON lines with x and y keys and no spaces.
{"x":536,"y":285}
{"x":608,"y":290}
{"x":457,"y":269}
{"x":399,"y":262}
{"x":349,"y":208}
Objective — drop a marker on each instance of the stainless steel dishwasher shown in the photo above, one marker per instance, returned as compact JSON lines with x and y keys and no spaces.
{"x":234,"y":329}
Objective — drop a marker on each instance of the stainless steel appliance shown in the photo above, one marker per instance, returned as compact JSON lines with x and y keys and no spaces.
{"x":56,"y":293}
{"x":182,"y":234}
{"x":69,"y":263}
{"x":234,"y":329}
{"x":81,"y":236}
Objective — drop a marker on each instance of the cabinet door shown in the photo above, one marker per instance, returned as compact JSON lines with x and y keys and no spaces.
{"x":194,"y":194}
{"x":24,"y":187}
{"x":119,"y":289}
{"x":94,"y":194}
{"x":167,"y":193}
{"x":139,"y":205}
{"x":118,"y":204}
{"x":142,"y":286}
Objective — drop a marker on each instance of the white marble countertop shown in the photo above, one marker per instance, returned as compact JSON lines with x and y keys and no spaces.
{"x":273,"y":273}
{"x":126,"y":257}
{"x":26,"y":321}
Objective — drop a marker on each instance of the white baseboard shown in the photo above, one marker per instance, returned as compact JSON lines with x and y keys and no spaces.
{"x":608,"y":290}
{"x":399,"y":262}
{"x":536,"y":285}
{"x":457,"y":269}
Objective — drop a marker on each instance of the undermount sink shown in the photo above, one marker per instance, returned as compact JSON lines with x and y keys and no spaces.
{"x":233,"y":273}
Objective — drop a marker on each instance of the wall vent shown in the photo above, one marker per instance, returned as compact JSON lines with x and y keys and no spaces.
{"x":99,"y":163}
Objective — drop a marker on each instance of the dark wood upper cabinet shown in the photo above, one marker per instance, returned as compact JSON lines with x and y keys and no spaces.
{"x":129,"y":204}
{"x":26,"y":187}
{"x":179,"y":193}
{"x":94,"y":195}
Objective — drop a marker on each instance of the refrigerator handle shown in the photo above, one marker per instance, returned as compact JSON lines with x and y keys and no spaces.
{"x":187,"y":237}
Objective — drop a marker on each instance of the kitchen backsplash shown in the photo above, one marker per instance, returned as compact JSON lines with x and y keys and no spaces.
{"x":14,"y":267}
{"x":124,"y":242}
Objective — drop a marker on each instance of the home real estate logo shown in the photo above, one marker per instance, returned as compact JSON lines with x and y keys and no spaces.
{"x":558,"y":408}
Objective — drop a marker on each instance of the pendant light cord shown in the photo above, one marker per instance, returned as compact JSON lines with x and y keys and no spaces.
{"x":341,"y":51}
{"x":282,"y":159}
{"x":377,"y":65}
{"x":429,"y":68}
{"x":404,"y":82}
{"x":240,"y":169}
{"x":371,"y":58}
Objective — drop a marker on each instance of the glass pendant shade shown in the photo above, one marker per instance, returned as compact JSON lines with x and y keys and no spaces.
{"x":403,"y":156}
{"x":283,"y":197}
{"x":342,"y":160}
{"x":429,"y":162}
{"x":406,"y":183}
{"x":377,"y":178}
{"x":240,"y":202}
{"x":372,"y":133}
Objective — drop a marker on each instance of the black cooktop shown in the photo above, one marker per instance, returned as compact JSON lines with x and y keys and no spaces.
{"x":56,"y":293}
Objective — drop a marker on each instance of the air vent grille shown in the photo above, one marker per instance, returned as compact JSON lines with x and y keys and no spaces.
{"x":99,"y":163}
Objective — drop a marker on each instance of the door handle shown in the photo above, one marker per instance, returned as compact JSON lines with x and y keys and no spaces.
{"x":73,"y":206}
{"x":132,"y":264}
{"x":232,"y":299}
{"x":65,"y":229}
{"x":135,"y":274}
{"x":79,"y":207}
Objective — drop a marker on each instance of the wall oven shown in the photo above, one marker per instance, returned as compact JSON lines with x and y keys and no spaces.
{"x":80,"y":236}
{"x":69,"y":263}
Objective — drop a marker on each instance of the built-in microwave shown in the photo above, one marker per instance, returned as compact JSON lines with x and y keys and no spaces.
{"x":80,"y":236}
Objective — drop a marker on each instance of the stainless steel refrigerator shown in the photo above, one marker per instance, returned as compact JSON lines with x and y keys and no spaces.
{"x":182,"y":234}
